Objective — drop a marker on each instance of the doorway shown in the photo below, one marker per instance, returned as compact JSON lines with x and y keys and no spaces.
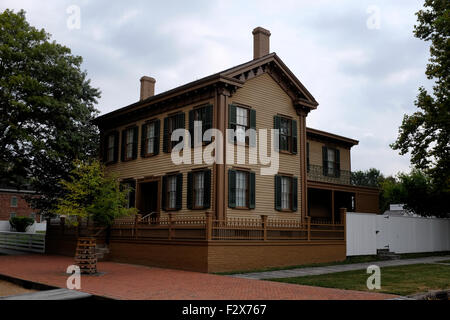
{"x":149,"y":198}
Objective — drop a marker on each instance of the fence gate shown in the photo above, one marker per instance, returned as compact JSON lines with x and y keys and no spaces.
{"x":382,"y":232}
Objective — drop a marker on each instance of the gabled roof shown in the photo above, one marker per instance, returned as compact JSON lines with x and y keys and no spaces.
{"x":327,"y":136}
{"x":234,"y":78}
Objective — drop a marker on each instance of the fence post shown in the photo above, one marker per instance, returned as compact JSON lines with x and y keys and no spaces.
{"x":264,"y":225}
{"x":343,"y":214}
{"x":308,"y":222}
{"x":170,"y":214}
{"x":208,"y":226}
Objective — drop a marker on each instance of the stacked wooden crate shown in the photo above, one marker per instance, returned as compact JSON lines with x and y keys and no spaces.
{"x":86,"y":257}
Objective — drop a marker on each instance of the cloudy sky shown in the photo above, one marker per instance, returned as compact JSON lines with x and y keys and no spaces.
{"x":358,"y":58}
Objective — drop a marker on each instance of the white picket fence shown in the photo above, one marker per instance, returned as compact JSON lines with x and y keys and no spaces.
{"x":21,"y":241}
{"x":367,"y":232}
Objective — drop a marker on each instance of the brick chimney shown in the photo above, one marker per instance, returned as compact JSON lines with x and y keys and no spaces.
{"x":147,"y":87}
{"x":261,"y":42}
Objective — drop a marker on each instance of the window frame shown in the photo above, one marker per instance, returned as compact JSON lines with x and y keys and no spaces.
{"x":194,"y":189}
{"x":146,"y":139}
{"x":247,"y":189}
{"x":127,"y":144}
{"x":16,"y":199}
{"x":334,"y":162}
{"x":289,"y":137}
{"x":167,"y":193}
{"x":290,"y":193}
{"x":110,"y":148}
{"x":172,"y":122}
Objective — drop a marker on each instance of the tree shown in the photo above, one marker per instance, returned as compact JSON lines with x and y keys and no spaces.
{"x":46,"y":110}
{"x":426,"y":133}
{"x":368,"y":178}
{"x":90,"y":193}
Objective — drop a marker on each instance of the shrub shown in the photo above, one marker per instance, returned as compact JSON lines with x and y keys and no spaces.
{"x":20,"y":224}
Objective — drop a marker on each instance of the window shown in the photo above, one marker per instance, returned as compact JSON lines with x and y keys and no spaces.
{"x":286,"y":193}
{"x":331,"y":162}
{"x":199,"y":189}
{"x":110,"y":147}
{"x":172,"y":191}
{"x":150,"y":138}
{"x":240,"y":119}
{"x":13,"y":201}
{"x":241,"y":189}
{"x":12,"y":215}
{"x":287,"y":133}
{"x":203,"y":114}
{"x":131,"y":194}
{"x":241,"y":124}
{"x":286,"y":190}
{"x":170,"y":125}
{"x":129,"y":143}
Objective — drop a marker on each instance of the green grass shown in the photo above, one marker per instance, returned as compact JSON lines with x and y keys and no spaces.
{"x":348,"y":260}
{"x":445,"y":261}
{"x":400,"y":280}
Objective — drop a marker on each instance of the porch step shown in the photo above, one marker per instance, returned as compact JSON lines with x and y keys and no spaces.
{"x":385,"y":254}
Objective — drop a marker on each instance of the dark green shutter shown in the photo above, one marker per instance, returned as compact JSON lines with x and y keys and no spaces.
{"x":307,"y":156}
{"x":156,"y":144}
{"x":294,"y":193}
{"x":232,"y":122}
{"x":105,"y":147}
{"x":338,"y":164}
{"x":252,"y":137}
{"x":164,"y":193}
{"x":132,"y":195}
{"x":190,"y":188}
{"x":294,"y":137}
{"x":191,"y":127}
{"x":207,"y":189}
{"x":122,"y":144}
{"x":232,"y":188}
{"x":116,"y":146}
{"x":252,"y":190}
{"x":208,"y":121}
{"x":325,"y":160}
{"x":276,"y":125}
{"x":135,"y":141}
{"x":278,"y":192}
{"x":179,"y":200}
{"x":180,"y":124}
{"x":166,"y":135}
{"x":143,"y":136}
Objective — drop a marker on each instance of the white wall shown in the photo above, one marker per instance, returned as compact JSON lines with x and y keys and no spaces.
{"x":398,"y":233}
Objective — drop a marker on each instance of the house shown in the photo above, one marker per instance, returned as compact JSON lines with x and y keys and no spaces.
{"x":13,"y":203}
{"x":226,"y":215}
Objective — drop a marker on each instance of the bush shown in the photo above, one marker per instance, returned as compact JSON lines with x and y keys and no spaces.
{"x":20,"y":224}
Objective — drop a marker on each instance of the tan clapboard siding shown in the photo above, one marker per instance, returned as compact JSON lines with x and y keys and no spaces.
{"x":264,"y":95}
{"x":315,"y":154}
{"x":162,"y":163}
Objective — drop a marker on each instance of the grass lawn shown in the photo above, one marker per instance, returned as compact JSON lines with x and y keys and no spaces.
{"x":401,"y":280}
{"x":445,"y":261}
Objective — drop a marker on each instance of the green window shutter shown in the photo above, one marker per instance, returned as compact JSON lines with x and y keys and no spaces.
{"x":135,"y":141}
{"x":164,"y":193}
{"x":294,"y":136}
{"x":180,"y":124}
{"x":123,"y":142}
{"x":325,"y":160}
{"x":338,"y":163}
{"x":232,"y":188}
{"x":231,"y":121}
{"x":116,"y":146}
{"x":208,"y":122}
{"x":307,"y":156}
{"x":278,"y":192}
{"x":190,"y":187}
{"x":252,"y":190}
{"x":207,"y":189}
{"x":143,"y":136}
{"x":191,"y":127}
{"x":156,"y":144}
{"x":294,"y":193}
{"x":179,"y":200}
{"x":166,"y":137}
{"x":276,"y":125}
{"x":252,"y":137}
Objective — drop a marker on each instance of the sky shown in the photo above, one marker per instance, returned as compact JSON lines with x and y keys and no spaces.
{"x":359,"y":59}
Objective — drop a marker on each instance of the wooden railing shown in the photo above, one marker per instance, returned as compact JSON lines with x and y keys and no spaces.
{"x":31,"y":242}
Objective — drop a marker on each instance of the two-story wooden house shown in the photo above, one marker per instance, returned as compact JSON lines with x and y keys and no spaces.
{"x":226,"y":215}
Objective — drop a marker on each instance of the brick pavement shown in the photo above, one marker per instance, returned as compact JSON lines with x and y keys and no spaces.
{"x":126,"y":281}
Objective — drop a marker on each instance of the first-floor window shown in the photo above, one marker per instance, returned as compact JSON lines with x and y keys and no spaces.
{"x":199,"y":189}
{"x":171,"y":192}
{"x":241,"y":189}
{"x":286,"y":193}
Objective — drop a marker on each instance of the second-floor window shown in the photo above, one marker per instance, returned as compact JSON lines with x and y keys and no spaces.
{"x":129,"y":143}
{"x":14,"y":202}
{"x":331,"y":161}
{"x":240,"y":119}
{"x":204,"y":115}
{"x":150,"y":138}
{"x":172,"y":123}
{"x":110,"y":145}
{"x":287,"y":133}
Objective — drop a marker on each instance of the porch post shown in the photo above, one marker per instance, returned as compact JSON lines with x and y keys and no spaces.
{"x":264,"y":226}
{"x":343,"y":213}
{"x":170,"y":214}
{"x":208,"y":226}
{"x":308,"y":220}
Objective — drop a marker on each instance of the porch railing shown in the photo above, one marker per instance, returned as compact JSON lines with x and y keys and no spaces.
{"x":316,"y":173}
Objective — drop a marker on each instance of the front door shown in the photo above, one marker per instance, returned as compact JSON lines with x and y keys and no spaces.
{"x":149,"y":198}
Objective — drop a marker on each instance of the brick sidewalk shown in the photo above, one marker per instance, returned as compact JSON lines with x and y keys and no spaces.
{"x":125,"y":281}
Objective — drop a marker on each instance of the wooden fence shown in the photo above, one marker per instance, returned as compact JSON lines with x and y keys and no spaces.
{"x":31,"y":242}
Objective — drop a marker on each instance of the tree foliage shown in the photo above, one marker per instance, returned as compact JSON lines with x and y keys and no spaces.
{"x":368,"y":178}
{"x":46,"y":110}
{"x":20,"y":224}
{"x":93,"y":194}
{"x":426,"y":133}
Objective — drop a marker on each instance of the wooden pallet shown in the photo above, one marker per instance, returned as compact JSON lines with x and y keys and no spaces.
{"x":85,"y":256}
